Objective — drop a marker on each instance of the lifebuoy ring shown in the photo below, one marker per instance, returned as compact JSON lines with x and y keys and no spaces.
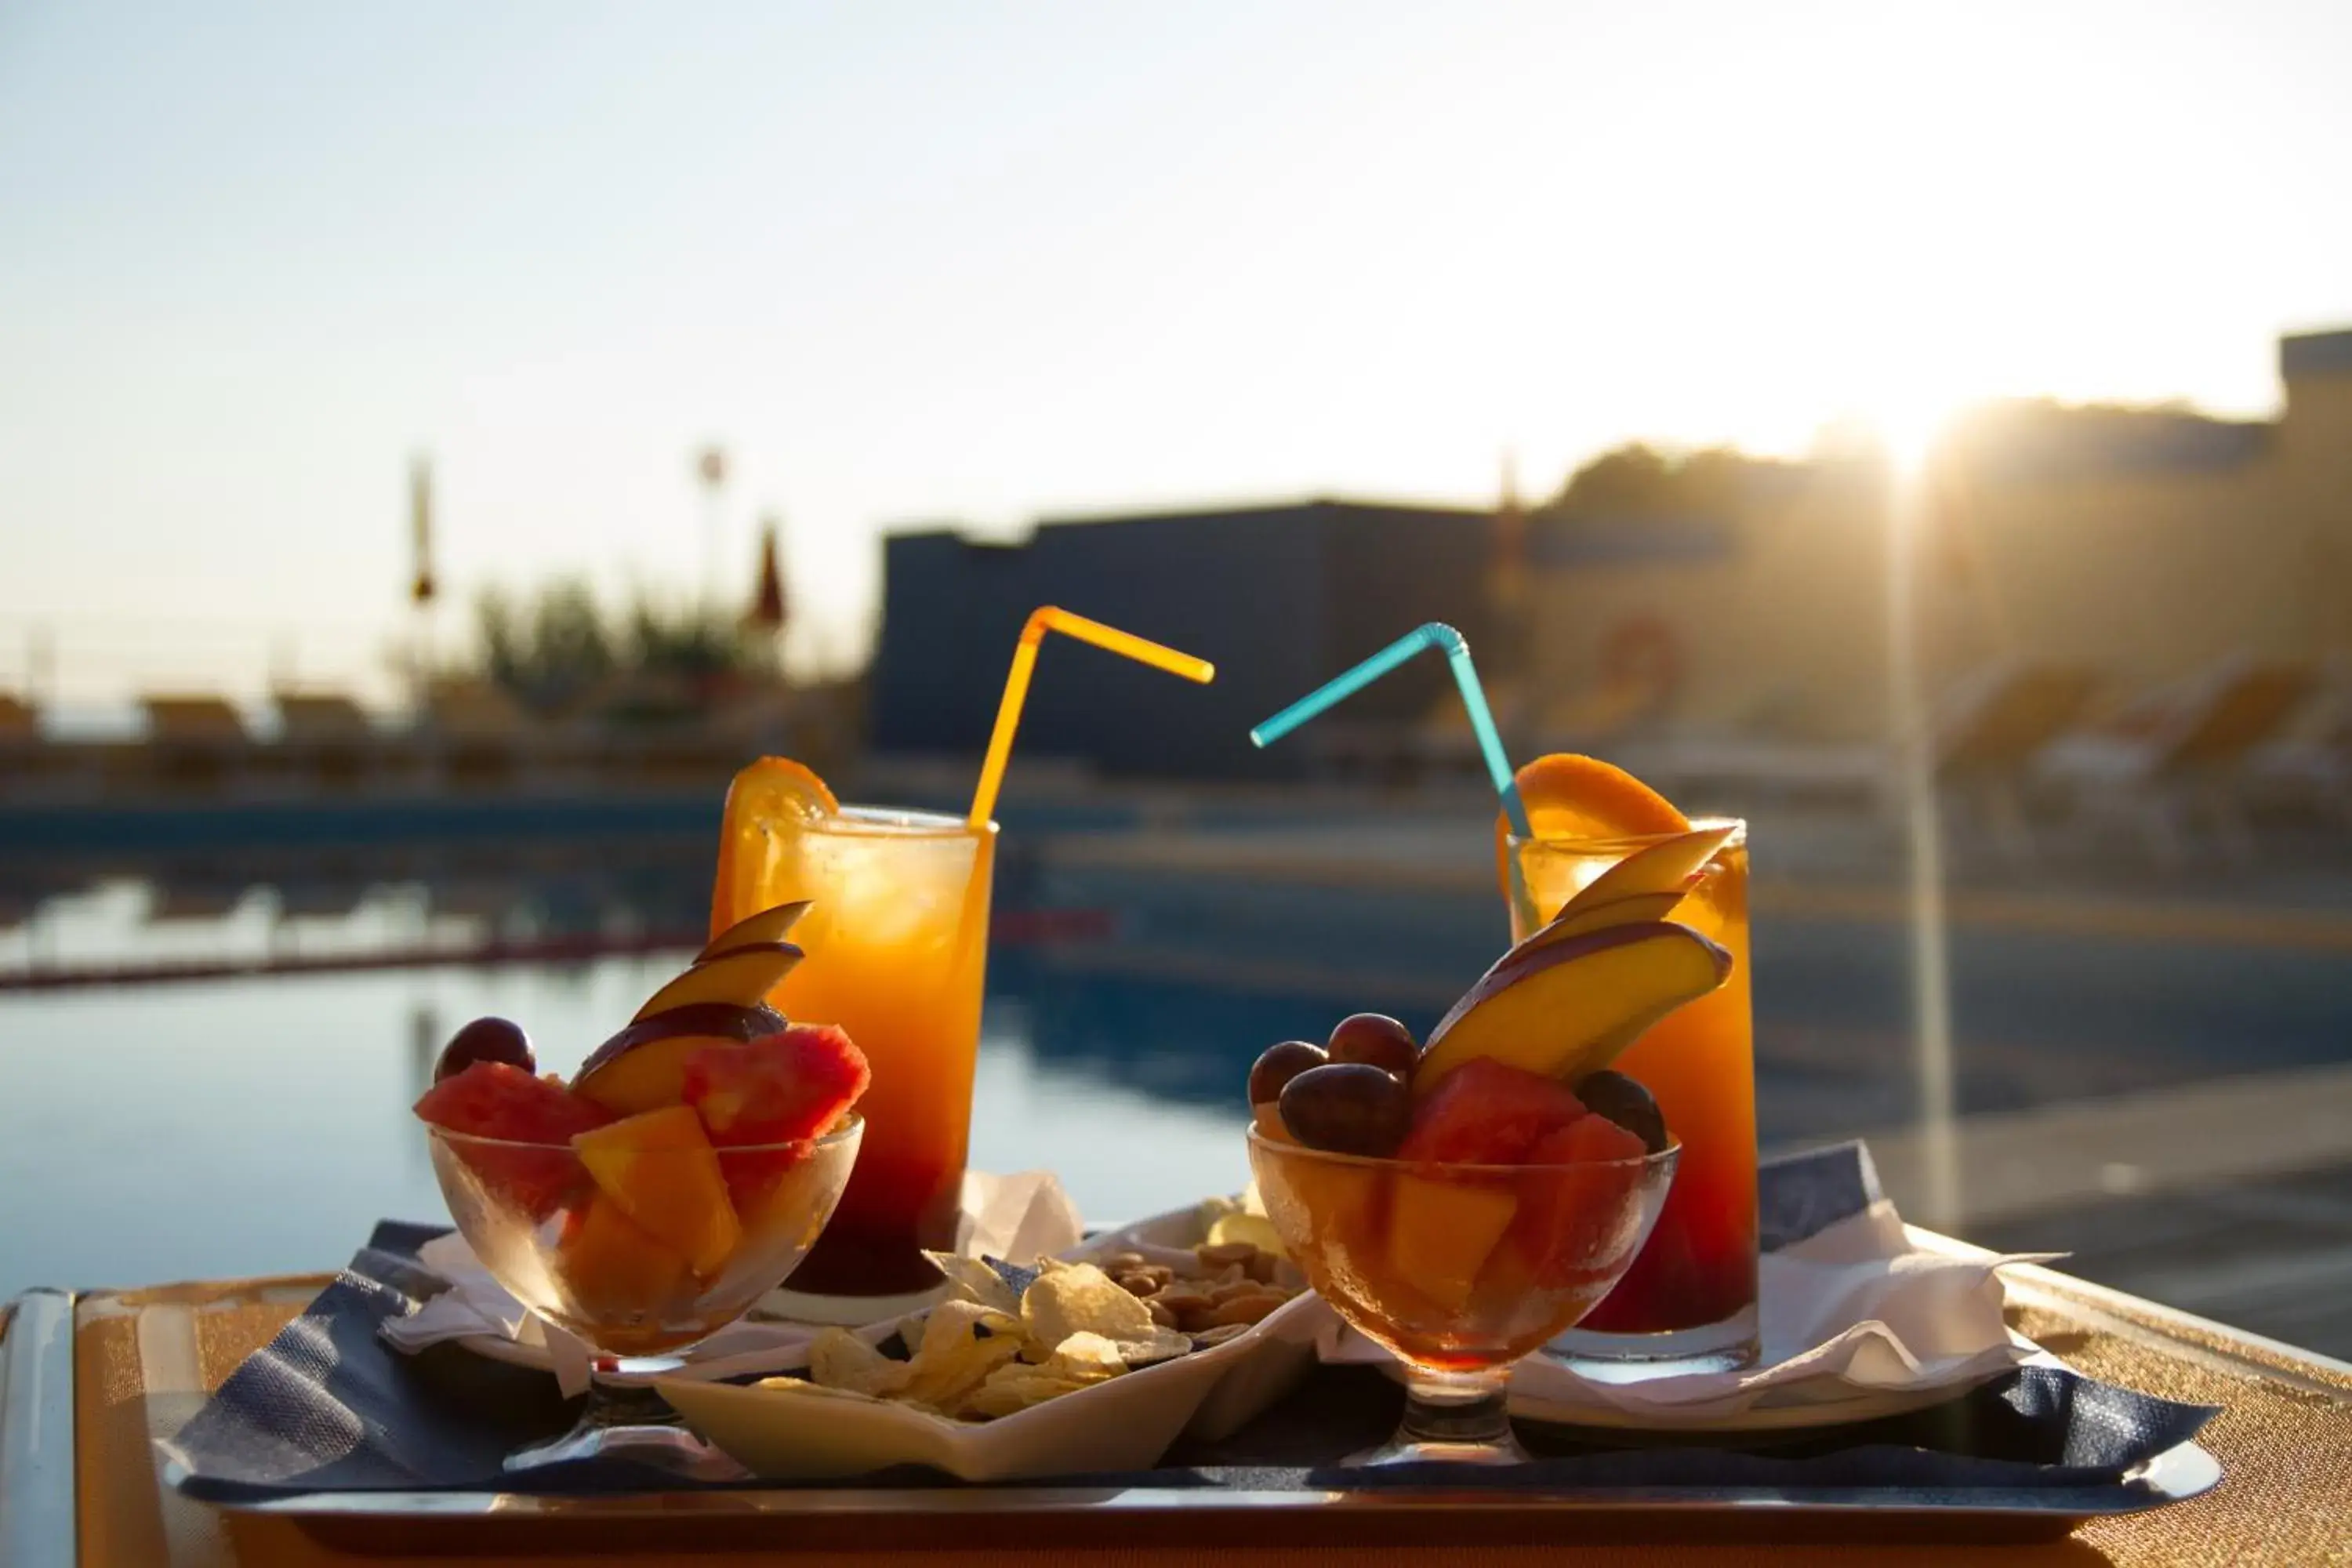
{"x":1642,"y":651}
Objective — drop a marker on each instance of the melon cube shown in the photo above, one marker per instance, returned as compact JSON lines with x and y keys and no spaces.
{"x":1440,"y":1231}
{"x":612,"y":1267}
{"x":661,"y":1171}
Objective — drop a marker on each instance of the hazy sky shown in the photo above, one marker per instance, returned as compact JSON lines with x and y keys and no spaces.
{"x":976,"y":262}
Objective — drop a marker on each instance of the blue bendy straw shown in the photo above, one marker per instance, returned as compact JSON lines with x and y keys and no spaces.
{"x":1437,"y":634}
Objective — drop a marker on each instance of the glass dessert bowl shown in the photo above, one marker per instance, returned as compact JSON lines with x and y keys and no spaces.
{"x":639,"y":1239}
{"x":1459,"y":1269}
{"x":678,"y":1177}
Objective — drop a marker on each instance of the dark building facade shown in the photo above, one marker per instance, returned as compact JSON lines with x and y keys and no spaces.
{"x":1279,"y":598}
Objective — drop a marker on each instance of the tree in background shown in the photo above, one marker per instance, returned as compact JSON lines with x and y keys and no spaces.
{"x":562,"y":653}
{"x":1640,"y":480}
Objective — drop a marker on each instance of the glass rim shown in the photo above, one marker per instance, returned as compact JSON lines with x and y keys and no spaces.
{"x":1388,"y":1163}
{"x":1630,"y":842}
{"x":850,"y":1125}
{"x":863,"y":821}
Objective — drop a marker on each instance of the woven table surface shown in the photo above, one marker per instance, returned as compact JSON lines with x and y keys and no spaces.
{"x":146,"y":1360}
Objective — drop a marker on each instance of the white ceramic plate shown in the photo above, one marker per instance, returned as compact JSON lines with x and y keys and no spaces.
{"x":1123,"y":1424}
{"x":1789,"y":1407}
{"x":1126,"y":1423}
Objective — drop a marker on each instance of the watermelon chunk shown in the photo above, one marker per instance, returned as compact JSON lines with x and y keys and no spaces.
{"x":499,"y":1099}
{"x":786,"y":1087}
{"x":1578,"y":1221}
{"x":1578,"y":1143}
{"x":1486,"y":1113}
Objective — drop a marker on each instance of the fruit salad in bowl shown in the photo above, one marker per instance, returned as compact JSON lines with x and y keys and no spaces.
{"x":675,"y":1179}
{"x":1463,"y":1202}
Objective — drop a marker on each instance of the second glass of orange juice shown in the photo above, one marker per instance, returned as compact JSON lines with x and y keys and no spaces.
{"x":1689,"y":1300}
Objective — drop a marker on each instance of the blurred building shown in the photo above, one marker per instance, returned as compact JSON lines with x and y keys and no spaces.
{"x":1279,"y":598}
{"x":2142,"y":544}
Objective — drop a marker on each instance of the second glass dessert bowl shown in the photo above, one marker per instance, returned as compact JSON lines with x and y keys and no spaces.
{"x":1459,"y":1269}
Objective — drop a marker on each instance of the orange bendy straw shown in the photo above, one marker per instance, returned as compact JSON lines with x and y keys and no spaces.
{"x":1050,"y":618}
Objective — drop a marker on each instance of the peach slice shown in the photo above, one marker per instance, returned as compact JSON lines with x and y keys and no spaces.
{"x":1645,"y":885}
{"x":1569,"y":1007}
{"x":743,"y":976}
{"x":1440,"y":1233}
{"x":762,"y":930}
{"x":663,"y":1174}
{"x":643,"y":1068}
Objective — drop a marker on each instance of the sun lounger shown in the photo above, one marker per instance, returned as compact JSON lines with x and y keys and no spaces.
{"x":2181,"y":756}
{"x":2308,"y":770}
{"x":20,"y":736}
{"x":481,"y":734}
{"x":326,"y":741}
{"x":194,"y":744}
{"x":1988,"y":728}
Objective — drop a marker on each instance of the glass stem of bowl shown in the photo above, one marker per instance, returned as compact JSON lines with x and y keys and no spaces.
{"x":1459,"y":1409}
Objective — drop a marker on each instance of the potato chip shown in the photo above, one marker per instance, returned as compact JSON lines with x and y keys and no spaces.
{"x":970,"y":1279}
{"x":962,"y":1342}
{"x":988,"y":1353}
{"x":1160,"y":1344}
{"x":1085,"y":1358}
{"x":1012,"y":1389}
{"x":1080,"y":1298}
{"x":803,"y":1385}
{"x":840,"y":1360}
{"x":958,"y":1322}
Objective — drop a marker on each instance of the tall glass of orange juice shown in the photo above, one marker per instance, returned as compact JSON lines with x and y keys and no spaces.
{"x":1689,"y":1300}
{"x":897,"y":954}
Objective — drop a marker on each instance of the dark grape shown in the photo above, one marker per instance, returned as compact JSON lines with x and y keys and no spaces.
{"x":485,"y":1040}
{"x":1349,"y":1107}
{"x":1625,"y":1102}
{"x":1278,"y":1065}
{"x":1377,"y":1040}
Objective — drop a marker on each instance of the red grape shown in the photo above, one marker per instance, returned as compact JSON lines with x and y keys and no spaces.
{"x":1377,"y":1040}
{"x":1623,"y":1101}
{"x":1349,"y":1107}
{"x":485,"y":1040}
{"x":1277,"y":1066}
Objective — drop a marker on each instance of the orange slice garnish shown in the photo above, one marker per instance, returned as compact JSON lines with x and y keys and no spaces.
{"x":772,"y":789}
{"x":1572,"y":796}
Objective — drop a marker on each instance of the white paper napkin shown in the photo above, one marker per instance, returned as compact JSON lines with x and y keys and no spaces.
{"x":1016,"y":1217}
{"x":1853,"y":1308}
